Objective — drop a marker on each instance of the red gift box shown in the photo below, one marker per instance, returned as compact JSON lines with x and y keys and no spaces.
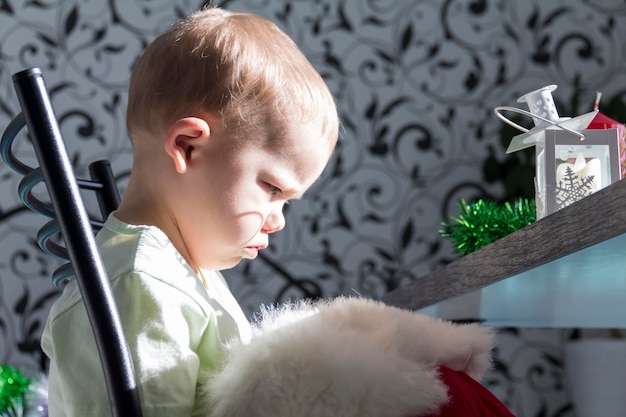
{"x":602,"y":121}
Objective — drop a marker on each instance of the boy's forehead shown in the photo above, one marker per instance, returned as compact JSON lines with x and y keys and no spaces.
{"x":307,"y":146}
{"x":294,"y":132}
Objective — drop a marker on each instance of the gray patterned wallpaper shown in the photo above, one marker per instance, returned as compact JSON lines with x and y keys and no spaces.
{"x":415,"y":83}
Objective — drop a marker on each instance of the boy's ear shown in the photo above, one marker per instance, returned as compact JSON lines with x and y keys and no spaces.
{"x":183,"y":138}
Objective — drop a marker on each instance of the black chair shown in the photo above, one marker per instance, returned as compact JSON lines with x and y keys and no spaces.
{"x":71,"y":220}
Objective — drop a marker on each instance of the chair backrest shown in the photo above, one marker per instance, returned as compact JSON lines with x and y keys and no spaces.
{"x":70,"y":218}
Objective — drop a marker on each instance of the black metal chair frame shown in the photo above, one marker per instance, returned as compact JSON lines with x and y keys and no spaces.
{"x":70,"y":218}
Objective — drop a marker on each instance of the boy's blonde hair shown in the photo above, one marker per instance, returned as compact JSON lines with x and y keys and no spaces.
{"x":238,"y":66}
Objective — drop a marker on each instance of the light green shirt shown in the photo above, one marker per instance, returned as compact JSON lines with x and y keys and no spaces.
{"x":174,"y":326}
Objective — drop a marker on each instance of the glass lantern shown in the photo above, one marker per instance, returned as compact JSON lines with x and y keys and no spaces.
{"x":569,"y":168}
{"x":572,"y":160}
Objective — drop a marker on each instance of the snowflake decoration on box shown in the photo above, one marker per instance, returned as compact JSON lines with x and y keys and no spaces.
{"x":572,"y":188}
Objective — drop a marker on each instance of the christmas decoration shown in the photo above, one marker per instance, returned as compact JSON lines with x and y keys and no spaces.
{"x":591,"y":140}
{"x":485,"y":221}
{"x":573,"y":181}
{"x":21,"y":396}
{"x":13,"y":389}
{"x":571,"y":170}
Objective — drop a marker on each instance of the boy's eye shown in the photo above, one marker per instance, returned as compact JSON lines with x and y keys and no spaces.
{"x":273,"y":189}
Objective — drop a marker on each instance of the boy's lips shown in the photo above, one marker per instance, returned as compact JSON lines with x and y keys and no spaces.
{"x":253,"y":250}
{"x":257,"y":247}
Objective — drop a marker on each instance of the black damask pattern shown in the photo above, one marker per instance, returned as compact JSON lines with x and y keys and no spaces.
{"x":415,"y":83}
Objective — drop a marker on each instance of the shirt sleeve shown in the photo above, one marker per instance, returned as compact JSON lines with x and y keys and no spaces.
{"x":172,"y":339}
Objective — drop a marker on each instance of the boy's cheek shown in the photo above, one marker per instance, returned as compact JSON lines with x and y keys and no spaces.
{"x":250,"y":224}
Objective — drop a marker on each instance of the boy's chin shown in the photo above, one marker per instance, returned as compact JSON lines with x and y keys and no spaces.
{"x":230,"y":263}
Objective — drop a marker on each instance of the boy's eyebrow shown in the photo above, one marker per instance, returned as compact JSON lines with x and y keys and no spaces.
{"x":294,"y":195}
{"x":300,"y":195}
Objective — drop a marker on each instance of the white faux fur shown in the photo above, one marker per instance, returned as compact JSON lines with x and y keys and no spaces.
{"x":344,"y":358}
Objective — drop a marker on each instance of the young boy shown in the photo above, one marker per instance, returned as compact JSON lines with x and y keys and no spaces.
{"x":228,"y":121}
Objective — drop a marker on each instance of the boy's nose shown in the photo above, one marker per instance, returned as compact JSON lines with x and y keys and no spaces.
{"x":274,"y":222}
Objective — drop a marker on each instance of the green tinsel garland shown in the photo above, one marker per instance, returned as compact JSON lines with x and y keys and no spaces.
{"x":484,"y":221}
{"x":13,"y":389}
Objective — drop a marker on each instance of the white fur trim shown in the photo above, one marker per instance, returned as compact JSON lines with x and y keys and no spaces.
{"x":345,"y":358}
